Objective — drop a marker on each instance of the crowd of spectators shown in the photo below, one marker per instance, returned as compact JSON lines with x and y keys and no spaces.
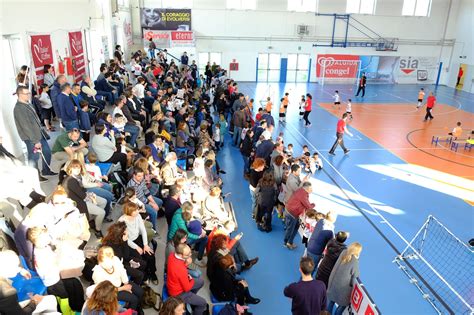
{"x":156,"y":126}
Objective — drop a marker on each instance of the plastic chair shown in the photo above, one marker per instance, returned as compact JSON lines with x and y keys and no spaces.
{"x":25,"y":286}
{"x":165,"y":295}
{"x":104,"y":167}
{"x":217,"y":305}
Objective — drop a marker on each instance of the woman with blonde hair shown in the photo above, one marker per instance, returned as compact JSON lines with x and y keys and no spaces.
{"x":345,"y":271}
{"x":87,"y":203}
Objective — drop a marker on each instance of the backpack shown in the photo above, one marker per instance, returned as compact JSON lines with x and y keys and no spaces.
{"x":119,"y":183}
{"x":151,"y":298}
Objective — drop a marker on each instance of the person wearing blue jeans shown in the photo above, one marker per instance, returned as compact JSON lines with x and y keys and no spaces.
{"x":316,"y":258}
{"x":291,"y":224}
{"x":296,"y":206}
{"x":199,"y":245}
{"x":31,"y":132}
{"x":152,"y":203}
{"x":134,"y":131}
{"x":104,"y":191}
{"x":70,"y":125}
{"x":152,"y":210}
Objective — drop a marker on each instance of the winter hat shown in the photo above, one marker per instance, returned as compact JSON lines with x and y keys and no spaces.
{"x":195,"y":227}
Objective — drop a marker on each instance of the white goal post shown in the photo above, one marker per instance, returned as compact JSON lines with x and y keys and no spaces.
{"x":338,"y":71}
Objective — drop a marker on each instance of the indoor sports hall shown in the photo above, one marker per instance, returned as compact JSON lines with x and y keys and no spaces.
{"x":171,"y":157}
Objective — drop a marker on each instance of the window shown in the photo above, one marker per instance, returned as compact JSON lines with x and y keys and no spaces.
{"x":303,"y":5}
{"x":416,"y":7}
{"x":242,"y":4}
{"x":177,"y":4}
{"x":361,"y":6}
{"x":268,"y":68}
{"x":298,"y":68}
{"x":205,"y":57}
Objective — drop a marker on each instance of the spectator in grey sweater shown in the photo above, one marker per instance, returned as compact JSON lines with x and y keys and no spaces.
{"x":105,"y":148}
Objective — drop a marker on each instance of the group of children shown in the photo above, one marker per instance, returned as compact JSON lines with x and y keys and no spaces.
{"x":337,"y":104}
{"x":310,"y":163}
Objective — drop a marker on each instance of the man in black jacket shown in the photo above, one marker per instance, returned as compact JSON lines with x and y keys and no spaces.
{"x":31,"y":132}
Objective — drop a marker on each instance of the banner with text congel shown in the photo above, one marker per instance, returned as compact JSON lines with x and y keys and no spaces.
{"x":42,"y":54}
{"x":337,"y":66}
{"x":77,"y":54}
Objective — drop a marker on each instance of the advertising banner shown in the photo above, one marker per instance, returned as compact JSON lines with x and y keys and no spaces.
{"x":166,"y":19}
{"x":182,"y":39}
{"x":337,"y":66}
{"x":77,"y":54}
{"x":42,"y":54}
{"x":416,"y":70}
{"x":162,"y":39}
{"x":379,"y":69}
{"x":361,"y":303}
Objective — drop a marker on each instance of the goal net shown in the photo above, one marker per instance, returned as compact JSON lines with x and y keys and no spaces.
{"x":441,"y":266}
{"x":333,"y":71}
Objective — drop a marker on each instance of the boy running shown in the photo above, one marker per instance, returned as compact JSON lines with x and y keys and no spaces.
{"x":421,"y":96}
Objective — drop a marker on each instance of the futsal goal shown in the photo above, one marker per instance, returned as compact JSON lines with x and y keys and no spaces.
{"x":441,"y":266}
{"x":334,"y":71}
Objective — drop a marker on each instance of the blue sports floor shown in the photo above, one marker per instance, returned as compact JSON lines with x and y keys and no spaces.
{"x":359,"y":179}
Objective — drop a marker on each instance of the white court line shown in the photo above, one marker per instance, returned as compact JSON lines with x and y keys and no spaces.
{"x":384,"y":220}
{"x":387,"y":149}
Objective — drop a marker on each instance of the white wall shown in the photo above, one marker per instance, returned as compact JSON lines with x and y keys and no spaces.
{"x":464,"y":45}
{"x":56,"y":17}
{"x":243,"y":34}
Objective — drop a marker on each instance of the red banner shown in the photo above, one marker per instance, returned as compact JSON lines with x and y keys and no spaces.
{"x":337,"y":66}
{"x":77,"y":54}
{"x":42,"y":53}
{"x":182,"y":39}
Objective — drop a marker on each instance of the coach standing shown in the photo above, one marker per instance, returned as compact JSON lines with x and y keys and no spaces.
{"x":430,"y":103}
{"x":341,"y":129}
{"x":30,"y":131}
{"x":362,"y":83}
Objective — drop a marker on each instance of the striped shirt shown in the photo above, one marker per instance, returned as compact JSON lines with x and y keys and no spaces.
{"x":140,"y":190}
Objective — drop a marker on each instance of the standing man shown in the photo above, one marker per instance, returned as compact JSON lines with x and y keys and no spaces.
{"x":184,"y":60}
{"x":308,"y":296}
{"x":430,"y":103}
{"x":362,"y":82}
{"x":239,"y":121}
{"x":55,"y":91}
{"x":67,"y":109}
{"x":29,"y":128}
{"x":460,"y":74}
{"x":295,"y":207}
{"x":151,"y":48}
{"x":340,"y":130}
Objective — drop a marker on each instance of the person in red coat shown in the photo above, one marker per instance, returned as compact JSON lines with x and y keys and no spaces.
{"x":180,"y":283}
{"x":295,"y":207}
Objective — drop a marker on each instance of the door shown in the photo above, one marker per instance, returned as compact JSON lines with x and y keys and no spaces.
{"x":298,"y":68}
{"x":268,"y":67}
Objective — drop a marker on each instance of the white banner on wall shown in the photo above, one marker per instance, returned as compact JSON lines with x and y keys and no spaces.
{"x":416,"y":70}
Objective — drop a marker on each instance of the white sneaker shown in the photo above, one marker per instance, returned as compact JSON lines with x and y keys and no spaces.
{"x":201,"y":262}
